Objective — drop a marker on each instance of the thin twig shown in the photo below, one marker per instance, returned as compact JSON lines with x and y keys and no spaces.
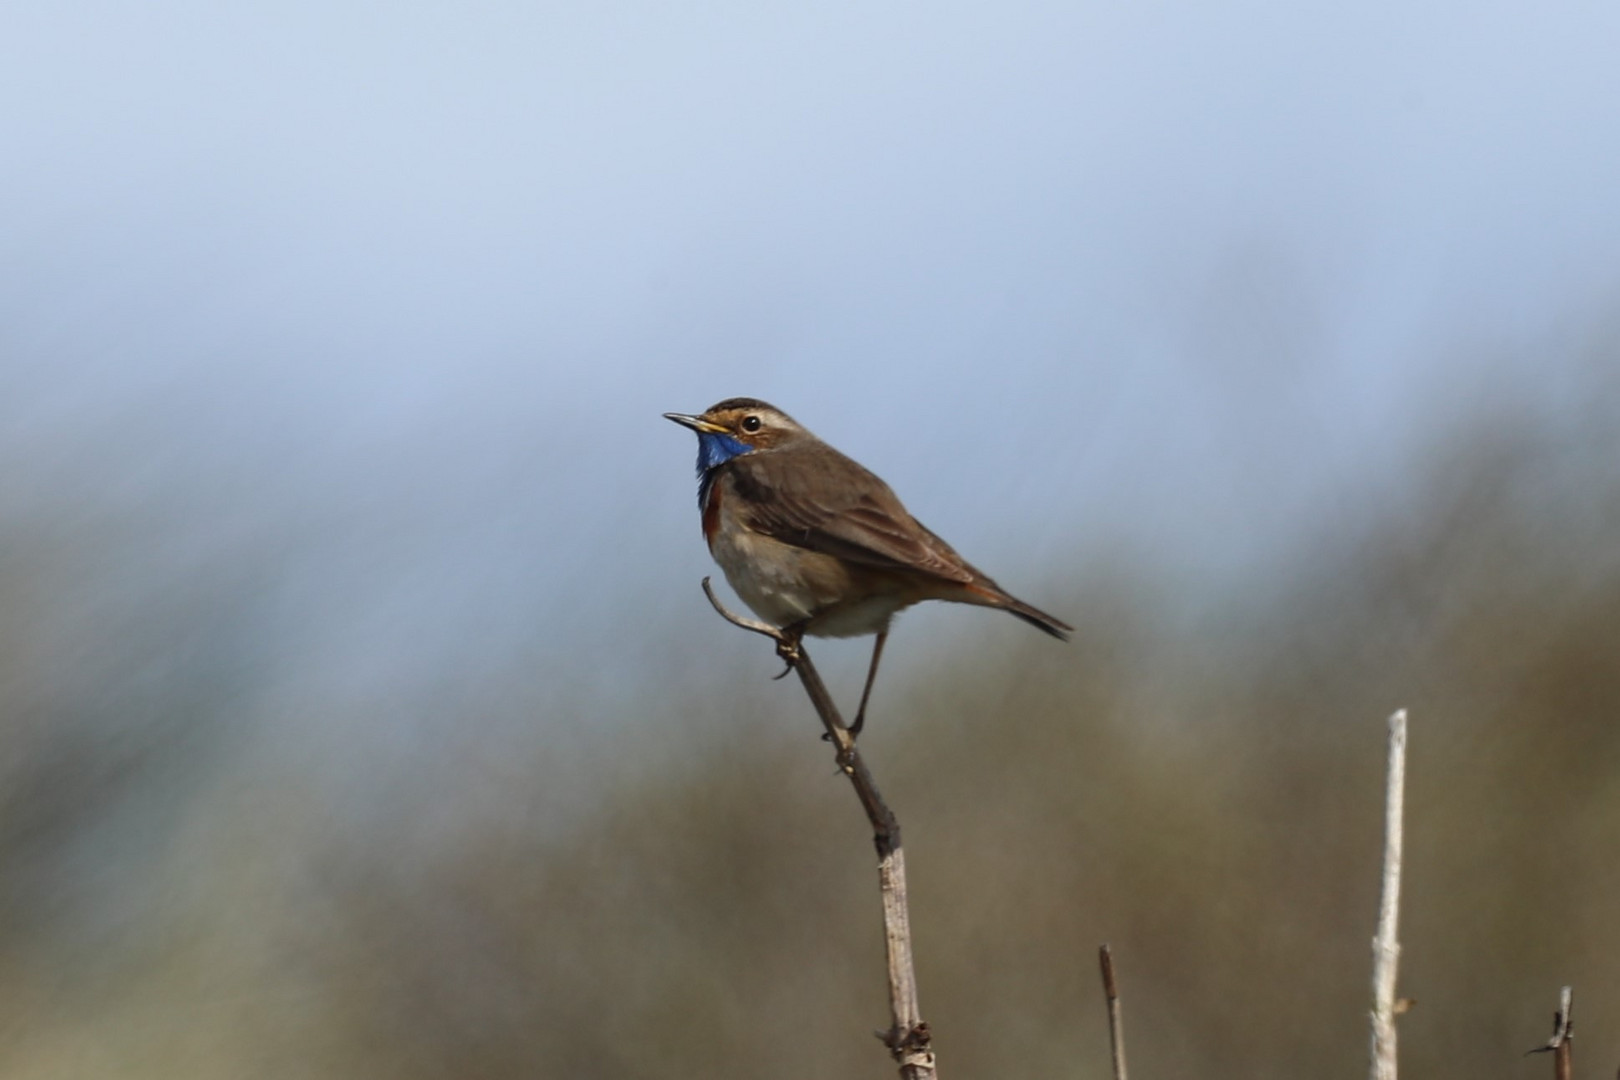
{"x":1116,"y":1023}
{"x":1563,"y":1034}
{"x":908,"y":1036}
{"x":1386,"y":947}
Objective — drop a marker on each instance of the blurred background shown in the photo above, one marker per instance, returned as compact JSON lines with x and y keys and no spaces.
{"x":360,"y":715}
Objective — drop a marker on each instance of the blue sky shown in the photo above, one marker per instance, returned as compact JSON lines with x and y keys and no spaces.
{"x":399,"y":291}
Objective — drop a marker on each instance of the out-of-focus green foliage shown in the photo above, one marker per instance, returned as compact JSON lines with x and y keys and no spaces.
{"x":1202,"y":790}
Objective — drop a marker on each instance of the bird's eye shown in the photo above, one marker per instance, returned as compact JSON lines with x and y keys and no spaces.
{"x":750,"y":423}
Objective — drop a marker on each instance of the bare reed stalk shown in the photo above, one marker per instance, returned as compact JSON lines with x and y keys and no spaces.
{"x":1386,"y":948}
{"x":908,"y":1037}
{"x":1563,"y":1034}
{"x":1116,"y":1022}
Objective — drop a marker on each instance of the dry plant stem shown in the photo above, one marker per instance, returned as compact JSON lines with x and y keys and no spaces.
{"x":1563,"y":1034}
{"x":1386,"y":947}
{"x":1116,"y":1023}
{"x":908,"y":1035}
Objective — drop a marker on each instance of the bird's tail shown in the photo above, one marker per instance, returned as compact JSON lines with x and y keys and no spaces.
{"x":992,"y":596}
{"x":1040,"y":619}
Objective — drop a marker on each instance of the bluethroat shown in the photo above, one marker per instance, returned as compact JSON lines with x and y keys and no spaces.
{"x":816,"y":544}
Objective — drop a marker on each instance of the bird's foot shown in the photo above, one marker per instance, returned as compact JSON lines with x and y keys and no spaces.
{"x":854,"y":728}
{"x":787,"y":649}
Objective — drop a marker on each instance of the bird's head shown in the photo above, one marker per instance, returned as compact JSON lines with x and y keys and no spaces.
{"x":738,"y":426}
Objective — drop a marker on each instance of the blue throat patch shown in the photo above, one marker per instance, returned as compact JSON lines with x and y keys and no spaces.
{"x":714,"y":450}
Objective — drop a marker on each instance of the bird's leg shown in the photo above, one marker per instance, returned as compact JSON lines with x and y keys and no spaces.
{"x":787,"y":647}
{"x":871,"y":675}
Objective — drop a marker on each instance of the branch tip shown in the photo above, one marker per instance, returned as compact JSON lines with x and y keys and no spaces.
{"x":737,"y":620}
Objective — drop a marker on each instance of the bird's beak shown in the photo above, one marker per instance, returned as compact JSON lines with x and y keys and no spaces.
{"x":696,"y":423}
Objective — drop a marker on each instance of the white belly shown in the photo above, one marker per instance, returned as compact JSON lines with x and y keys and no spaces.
{"x":784,"y":585}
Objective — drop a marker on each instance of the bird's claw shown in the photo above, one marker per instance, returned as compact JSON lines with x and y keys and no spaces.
{"x":854,"y":729}
{"x":787,"y":648}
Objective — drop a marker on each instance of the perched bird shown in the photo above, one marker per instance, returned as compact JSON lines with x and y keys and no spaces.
{"x":816,"y":544}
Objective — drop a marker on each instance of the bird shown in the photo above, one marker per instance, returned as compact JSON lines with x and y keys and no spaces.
{"x":814,"y":543}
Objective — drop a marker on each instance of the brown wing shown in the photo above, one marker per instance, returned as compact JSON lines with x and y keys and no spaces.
{"x":816,"y":498}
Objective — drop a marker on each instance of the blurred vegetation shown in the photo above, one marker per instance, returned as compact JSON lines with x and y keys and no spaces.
{"x":1199,"y":786}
